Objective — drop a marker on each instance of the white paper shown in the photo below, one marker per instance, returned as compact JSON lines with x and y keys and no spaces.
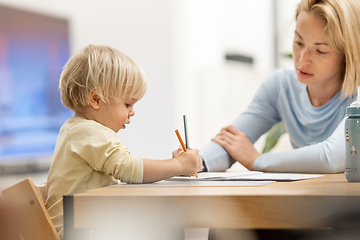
{"x":275,"y":177}
{"x":246,"y":176}
{"x":214,"y":176}
{"x":165,"y":183}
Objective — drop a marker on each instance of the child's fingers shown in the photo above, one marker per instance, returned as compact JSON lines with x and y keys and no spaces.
{"x":195,"y":150}
{"x":200,"y":167}
{"x":176,"y":152}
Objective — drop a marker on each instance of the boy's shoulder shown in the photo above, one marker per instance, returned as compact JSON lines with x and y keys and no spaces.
{"x":80,"y":128}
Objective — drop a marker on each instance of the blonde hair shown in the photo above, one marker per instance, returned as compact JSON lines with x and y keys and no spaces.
{"x":342,"y":33}
{"x":107,"y":70}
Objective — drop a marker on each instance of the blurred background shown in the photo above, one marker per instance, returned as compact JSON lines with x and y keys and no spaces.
{"x":203,"y":58}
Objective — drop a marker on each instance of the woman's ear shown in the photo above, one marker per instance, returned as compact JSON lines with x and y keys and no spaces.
{"x":94,"y":99}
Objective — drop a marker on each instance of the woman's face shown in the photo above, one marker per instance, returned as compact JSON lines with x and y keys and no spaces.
{"x":316,"y":64}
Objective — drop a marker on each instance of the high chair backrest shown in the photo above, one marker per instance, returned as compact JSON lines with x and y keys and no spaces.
{"x":28,"y":208}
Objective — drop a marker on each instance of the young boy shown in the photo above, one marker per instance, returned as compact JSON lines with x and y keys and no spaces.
{"x":101,"y":85}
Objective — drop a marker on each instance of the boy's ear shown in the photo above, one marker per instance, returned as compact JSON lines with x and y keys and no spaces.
{"x":94,"y":99}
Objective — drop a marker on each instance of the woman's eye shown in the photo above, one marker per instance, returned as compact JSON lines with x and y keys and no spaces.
{"x":321,"y":52}
{"x":299,"y":43}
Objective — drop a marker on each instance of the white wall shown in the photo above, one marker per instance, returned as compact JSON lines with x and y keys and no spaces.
{"x":181,"y":45}
{"x":205,"y":35}
{"x":286,"y":28}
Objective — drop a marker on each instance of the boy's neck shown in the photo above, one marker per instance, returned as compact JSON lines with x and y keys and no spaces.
{"x":84,"y":114}
{"x":77,"y":114}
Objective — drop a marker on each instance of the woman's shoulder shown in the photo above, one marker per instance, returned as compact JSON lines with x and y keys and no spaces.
{"x":283,"y":76}
{"x":281,"y":80}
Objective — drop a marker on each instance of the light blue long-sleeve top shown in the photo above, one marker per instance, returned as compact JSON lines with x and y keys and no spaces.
{"x":316,"y":133}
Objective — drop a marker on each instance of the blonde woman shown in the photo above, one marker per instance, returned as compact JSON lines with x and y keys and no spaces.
{"x":101,"y":85}
{"x":310,"y":99}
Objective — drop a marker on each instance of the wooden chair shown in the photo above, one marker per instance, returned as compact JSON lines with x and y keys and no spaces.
{"x":8,"y":229}
{"x":28,"y":208}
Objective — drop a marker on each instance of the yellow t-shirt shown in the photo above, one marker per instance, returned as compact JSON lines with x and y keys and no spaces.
{"x":87,"y":155}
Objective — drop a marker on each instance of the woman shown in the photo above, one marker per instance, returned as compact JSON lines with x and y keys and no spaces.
{"x":310,"y":100}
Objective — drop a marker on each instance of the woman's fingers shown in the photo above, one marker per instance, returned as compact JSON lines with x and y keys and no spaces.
{"x":231,"y":129}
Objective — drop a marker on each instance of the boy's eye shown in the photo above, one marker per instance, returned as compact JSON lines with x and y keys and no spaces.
{"x":127,"y":105}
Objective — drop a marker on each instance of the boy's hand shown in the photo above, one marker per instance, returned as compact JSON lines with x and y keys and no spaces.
{"x":200,"y":166}
{"x":189,"y":161}
{"x":176,"y":152}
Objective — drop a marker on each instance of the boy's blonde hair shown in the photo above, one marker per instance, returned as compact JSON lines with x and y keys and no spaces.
{"x":107,"y":70}
{"x":342,"y":33}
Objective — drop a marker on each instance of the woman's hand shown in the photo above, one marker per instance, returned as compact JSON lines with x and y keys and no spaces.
{"x":238,"y":146}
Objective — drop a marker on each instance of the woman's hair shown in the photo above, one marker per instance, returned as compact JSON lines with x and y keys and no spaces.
{"x":107,"y":70}
{"x":342,"y":33}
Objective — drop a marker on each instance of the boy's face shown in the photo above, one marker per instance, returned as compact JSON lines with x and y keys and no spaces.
{"x":114,"y":114}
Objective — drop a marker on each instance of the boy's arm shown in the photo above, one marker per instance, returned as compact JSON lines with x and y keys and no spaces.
{"x":185,"y":163}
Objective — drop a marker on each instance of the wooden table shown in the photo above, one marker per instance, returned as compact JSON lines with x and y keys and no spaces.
{"x":313,"y":203}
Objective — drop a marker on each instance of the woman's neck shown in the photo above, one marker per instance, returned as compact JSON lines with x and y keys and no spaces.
{"x":320,"y":95}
